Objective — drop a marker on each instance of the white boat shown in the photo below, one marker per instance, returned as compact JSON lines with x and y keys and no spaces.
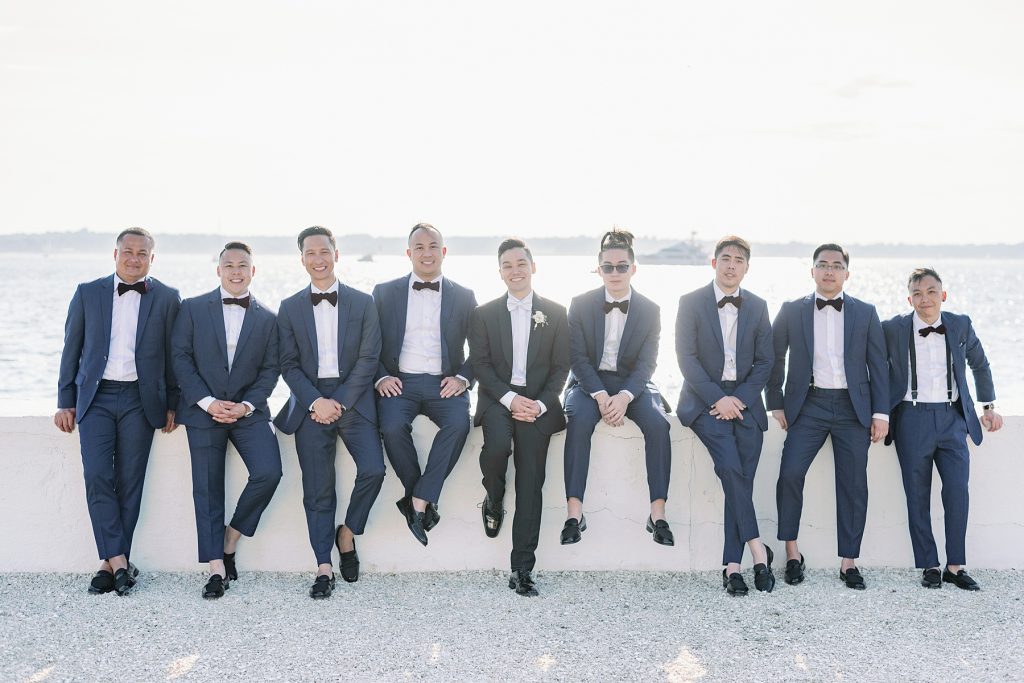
{"x":688,"y":253}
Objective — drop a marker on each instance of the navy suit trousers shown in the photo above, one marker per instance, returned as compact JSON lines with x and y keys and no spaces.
{"x":115,"y":440}
{"x":582,"y":415}
{"x":257,"y":446}
{"x":317,"y":446}
{"x":421,"y":394}
{"x":925,"y":434}
{"x":735,"y":448}
{"x":826,"y":412}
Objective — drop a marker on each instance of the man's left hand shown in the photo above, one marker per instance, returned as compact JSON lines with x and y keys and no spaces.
{"x":170,"y":426}
{"x":879,"y":428}
{"x":452,"y":386}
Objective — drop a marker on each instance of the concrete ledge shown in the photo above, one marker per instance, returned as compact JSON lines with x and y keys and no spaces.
{"x":46,"y":526}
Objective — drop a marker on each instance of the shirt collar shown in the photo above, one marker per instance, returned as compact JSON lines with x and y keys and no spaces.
{"x":225,"y":294}
{"x":609,"y":299}
{"x":332,"y":288}
{"x":920,"y":324}
{"x":719,"y":293}
{"x":528,"y":299}
{"x":819,"y":296}
{"x":413,"y":278}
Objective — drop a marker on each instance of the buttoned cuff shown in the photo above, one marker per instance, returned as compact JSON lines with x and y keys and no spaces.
{"x":205,"y":403}
{"x":597,"y":393}
{"x":377,"y":383}
{"x":543,"y":408}
{"x":880,"y":416}
{"x":251,"y":407}
{"x":628,"y":393}
{"x":506,"y":400}
{"x":464,"y":380}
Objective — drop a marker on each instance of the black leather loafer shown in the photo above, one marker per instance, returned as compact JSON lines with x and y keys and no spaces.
{"x":322,"y":587}
{"x":852,"y":578}
{"x":102,"y":582}
{"x":348,"y":561}
{"x":492,"y":515}
{"x":573,"y":530}
{"x":764,"y":579}
{"x":430,"y":517}
{"x":960,"y":580}
{"x":931,"y":578}
{"x":795,"y":571}
{"x":522,"y":583}
{"x":215,"y":587}
{"x":660,"y":532}
{"x":230,"y":570}
{"x":734,"y":584}
{"x":125,"y":579}
{"x":413,"y":519}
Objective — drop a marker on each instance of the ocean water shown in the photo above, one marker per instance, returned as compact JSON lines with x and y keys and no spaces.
{"x":38,"y":288}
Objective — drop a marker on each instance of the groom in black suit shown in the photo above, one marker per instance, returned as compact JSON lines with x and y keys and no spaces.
{"x":519,"y":347}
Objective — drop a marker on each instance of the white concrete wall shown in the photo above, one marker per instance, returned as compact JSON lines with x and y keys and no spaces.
{"x":45,"y":524}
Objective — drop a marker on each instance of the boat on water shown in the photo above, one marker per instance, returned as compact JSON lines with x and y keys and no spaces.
{"x":366,"y":258}
{"x":686,"y":253}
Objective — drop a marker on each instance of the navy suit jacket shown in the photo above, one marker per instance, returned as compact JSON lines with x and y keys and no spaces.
{"x":87,"y":344}
{"x":200,"y":359}
{"x":457,"y":305}
{"x":638,"y":347}
{"x":358,"y":354}
{"x":700,"y":349}
{"x":965,"y":349}
{"x":867,"y":375}
{"x":547,"y":358}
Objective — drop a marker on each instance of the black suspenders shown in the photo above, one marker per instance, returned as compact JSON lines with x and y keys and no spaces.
{"x":913,"y":369}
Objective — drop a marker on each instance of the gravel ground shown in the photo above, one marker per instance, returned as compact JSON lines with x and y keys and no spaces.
{"x":468,"y":626}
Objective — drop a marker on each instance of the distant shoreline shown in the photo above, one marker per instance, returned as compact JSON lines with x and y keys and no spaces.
{"x":582,"y":245}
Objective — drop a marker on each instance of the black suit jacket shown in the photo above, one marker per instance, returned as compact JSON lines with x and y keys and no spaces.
{"x":547,"y":358}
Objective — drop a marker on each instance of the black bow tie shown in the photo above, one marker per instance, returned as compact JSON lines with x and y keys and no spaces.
{"x":610,"y":306}
{"x":139,"y":287}
{"x":734,"y":300}
{"x":329,"y":297}
{"x":925,"y":331}
{"x":243,"y":302}
{"x":834,"y":303}
{"x":436,"y":286}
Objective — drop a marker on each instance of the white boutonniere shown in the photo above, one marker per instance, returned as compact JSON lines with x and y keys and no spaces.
{"x":539,"y":319}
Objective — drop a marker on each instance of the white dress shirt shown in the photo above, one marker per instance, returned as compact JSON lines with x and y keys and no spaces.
{"x":421,"y":348}
{"x":234,"y":316}
{"x":124,"y":325}
{"x":931,"y":365}
{"x":325,"y":317}
{"x":614,"y":323}
{"x":728,"y":316}
{"x":520,"y":312}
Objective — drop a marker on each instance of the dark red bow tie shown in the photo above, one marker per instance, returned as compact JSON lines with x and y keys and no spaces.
{"x":610,"y":306}
{"x":139,"y":287}
{"x":834,"y":303}
{"x":329,"y":297}
{"x":925,"y":331}
{"x":436,"y":286}
{"x":243,"y":302}
{"x":734,"y":300}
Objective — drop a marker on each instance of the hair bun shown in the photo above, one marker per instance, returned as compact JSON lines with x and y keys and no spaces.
{"x":617,"y":238}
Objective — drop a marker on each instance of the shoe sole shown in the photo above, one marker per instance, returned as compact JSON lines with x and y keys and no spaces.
{"x":856,"y":586}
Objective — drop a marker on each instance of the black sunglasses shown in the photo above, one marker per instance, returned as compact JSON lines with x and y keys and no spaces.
{"x":607,"y":268}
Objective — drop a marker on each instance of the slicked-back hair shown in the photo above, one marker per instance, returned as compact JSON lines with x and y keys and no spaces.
{"x":831,"y":247}
{"x":733,"y":241}
{"x":514,"y":243}
{"x":920,"y":274}
{"x":317,"y":230}
{"x":617,"y":239}
{"x":141,"y":232}
{"x":425,"y":226}
{"x":241,"y":246}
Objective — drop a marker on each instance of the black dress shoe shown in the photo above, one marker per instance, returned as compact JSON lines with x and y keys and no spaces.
{"x":348,"y":561}
{"x":573,"y":530}
{"x":492,"y":515}
{"x":960,"y":579}
{"x":660,"y":532}
{"x":124,"y":579}
{"x":430,"y":517}
{"x":795,"y":571}
{"x":764,"y":579}
{"x":230,"y":570}
{"x":215,"y":587}
{"x":931,"y":578}
{"x":734,"y":583}
{"x":852,"y":578}
{"x":102,"y":582}
{"x":322,"y":587}
{"x":413,"y":519}
{"x":522,"y":582}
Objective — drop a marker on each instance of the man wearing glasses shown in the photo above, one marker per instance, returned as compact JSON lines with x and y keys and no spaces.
{"x":836,"y":385}
{"x":613,"y":349}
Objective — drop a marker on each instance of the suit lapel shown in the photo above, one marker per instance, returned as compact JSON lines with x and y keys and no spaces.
{"x":535,"y":332}
{"x":344,"y":306}
{"x":711,"y":313}
{"x":144,"y":308}
{"x":905,"y":332}
{"x":505,"y":331}
{"x":107,"y":308}
{"x":306,"y":308}
{"x":849,"y":324}
{"x":248,"y":322}
{"x":597,"y":309}
{"x":216,"y":308}
{"x":807,"y":316}
{"x":401,"y":302}
{"x":632,"y":321}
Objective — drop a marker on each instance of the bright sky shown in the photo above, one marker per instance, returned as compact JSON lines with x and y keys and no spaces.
{"x":810,"y":121}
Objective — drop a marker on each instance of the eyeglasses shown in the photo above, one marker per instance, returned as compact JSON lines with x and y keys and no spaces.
{"x":832,"y":267}
{"x":607,"y":268}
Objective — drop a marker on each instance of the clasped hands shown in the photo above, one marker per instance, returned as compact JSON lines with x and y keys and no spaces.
{"x":728,"y":408}
{"x":524,"y":409}
{"x":450,"y":386}
{"x":613,"y":408}
{"x":227,"y":412}
{"x":325,"y":411}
